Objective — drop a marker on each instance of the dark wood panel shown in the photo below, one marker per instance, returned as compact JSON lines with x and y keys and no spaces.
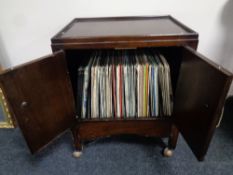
{"x":87,"y":130}
{"x":125,"y":38}
{"x":124,"y":44}
{"x":41,"y":98}
{"x":124,"y":26}
{"x":123,"y":32}
{"x":199,"y":99}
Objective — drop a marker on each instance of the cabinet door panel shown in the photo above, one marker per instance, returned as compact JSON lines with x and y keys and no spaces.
{"x":200,"y":95}
{"x":41,"y":99}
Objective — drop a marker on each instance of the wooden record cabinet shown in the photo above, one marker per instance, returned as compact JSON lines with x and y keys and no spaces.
{"x":42,"y":93}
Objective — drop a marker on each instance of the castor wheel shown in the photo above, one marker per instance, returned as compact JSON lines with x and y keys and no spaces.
{"x":77,"y":154}
{"x":167,"y":152}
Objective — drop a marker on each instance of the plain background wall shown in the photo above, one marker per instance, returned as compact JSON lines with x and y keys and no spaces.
{"x":26,"y":26}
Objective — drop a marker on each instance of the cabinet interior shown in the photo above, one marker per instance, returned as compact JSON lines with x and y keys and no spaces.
{"x":78,"y":57}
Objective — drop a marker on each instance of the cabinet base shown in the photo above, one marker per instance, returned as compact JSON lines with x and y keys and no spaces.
{"x":91,"y":130}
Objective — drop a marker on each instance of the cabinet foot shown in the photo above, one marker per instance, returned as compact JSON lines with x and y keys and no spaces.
{"x":77,"y":154}
{"x":167,"y":152}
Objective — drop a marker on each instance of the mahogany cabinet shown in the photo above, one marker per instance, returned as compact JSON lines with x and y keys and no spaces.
{"x":42,"y":93}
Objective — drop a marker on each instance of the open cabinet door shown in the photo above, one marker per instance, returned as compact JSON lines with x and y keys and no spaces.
{"x":41,"y":99}
{"x":200,"y":95}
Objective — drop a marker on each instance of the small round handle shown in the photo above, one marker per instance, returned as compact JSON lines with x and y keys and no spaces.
{"x":24,"y":104}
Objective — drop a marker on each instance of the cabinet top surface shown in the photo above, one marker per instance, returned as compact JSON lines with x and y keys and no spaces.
{"x":87,"y":28}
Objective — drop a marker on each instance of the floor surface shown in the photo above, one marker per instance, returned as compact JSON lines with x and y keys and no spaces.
{"x":118,"y":155}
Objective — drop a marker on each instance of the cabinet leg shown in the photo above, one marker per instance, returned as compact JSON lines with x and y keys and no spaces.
{"x":78,"y":148}
{"x":78,"y":145}
{"x":172,"y":141}
{"x":173,"y":137}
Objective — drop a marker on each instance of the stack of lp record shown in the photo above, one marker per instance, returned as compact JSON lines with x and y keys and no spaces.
{"x":124,"y":84}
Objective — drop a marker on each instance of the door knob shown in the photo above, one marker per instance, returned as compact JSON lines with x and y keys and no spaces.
{"x":24,"y":104}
